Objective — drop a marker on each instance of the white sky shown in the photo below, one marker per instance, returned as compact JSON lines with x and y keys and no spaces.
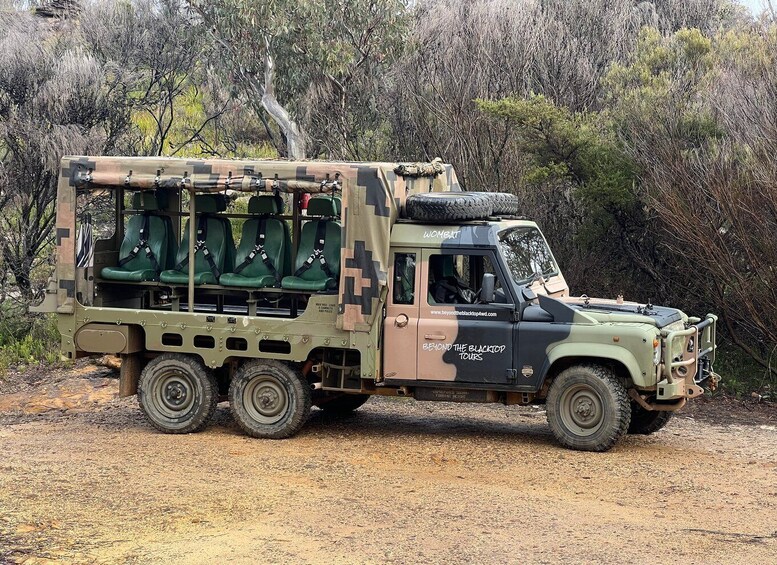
{"x":755,"y":5}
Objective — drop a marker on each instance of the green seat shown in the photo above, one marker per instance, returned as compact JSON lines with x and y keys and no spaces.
{"x":264,"y":244}
{"x":214,"y":248}
{"x":148,"y":246}
{"x":318,"y":257}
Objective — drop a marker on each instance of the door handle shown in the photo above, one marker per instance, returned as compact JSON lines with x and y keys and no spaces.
{"x":435,"y":337}
{"x":401,"y":320}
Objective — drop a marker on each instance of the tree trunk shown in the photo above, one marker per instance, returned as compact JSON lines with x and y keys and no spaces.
{"x":294,"y":138}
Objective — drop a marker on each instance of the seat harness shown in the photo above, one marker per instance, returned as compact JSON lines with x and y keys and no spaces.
{"x":143,"y":245}
{"x":202,"y":235}
{"x":260,"y":251}
{"x":318,"y":252}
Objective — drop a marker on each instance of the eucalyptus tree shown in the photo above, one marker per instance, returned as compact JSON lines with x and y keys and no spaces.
{"x":155,"y":50}
{"x":314,"y":63}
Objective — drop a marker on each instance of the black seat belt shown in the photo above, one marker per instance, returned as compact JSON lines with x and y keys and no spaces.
{"x":318,"y":252}
{"x":202,"y":235}
{"x":145,"y":233}
{"x":260,"y":251}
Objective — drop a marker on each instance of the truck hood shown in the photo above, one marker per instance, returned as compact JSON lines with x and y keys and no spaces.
{"x":603,"y":310}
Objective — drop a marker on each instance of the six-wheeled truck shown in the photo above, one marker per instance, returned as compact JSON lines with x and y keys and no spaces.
{"x":212,"y":280}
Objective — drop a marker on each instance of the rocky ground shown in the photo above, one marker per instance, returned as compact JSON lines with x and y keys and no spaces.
{"x":84,"y":479}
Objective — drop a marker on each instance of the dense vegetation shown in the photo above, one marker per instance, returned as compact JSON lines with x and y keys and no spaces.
{"x":640,"y":134}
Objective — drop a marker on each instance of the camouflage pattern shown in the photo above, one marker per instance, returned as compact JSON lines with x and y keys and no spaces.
{"x":513,"y":346}
{"x":491,"y":346}
{"x":373,"y":197}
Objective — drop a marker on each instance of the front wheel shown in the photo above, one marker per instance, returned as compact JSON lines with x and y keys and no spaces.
{"x":269,"y":399}
{"x":339,"y":404}
{"x":646,"y":422}
{"x":588,"y":408}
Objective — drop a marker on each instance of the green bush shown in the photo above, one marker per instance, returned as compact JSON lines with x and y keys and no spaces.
{"x":740,"y":374}
{"x":26,"y":339}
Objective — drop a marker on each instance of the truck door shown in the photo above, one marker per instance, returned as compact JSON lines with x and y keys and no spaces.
{"x":400,"y":329}
{"x":459,"y":339}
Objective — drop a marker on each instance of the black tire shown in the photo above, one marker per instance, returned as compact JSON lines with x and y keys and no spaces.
{"x":588,"y":408}
{"x":177,"y":393}
{"x":269,"y":399}
{"x":442,"y":207}
{"x":503,"y":203}
{"x":341,"y":403}
{"x":646,"y":422}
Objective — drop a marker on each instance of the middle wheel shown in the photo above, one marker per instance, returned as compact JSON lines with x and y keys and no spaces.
{"x":269,"y":399}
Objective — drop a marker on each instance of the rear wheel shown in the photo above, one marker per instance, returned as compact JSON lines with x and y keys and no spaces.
{"x":269,"y":399}
{"x":646,"y":422}
{"x":588,"y":408}
{"x":341,"y":403}
{"x":177,"y":393}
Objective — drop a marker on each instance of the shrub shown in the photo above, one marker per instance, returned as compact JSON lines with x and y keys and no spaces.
{"x":26,"y":339}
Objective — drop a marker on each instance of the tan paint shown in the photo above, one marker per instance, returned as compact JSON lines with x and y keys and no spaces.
{"x":437,"y":330}
{"x":400,"y":351}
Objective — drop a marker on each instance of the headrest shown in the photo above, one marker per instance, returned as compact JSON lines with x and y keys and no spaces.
{"x":265,"y":204}
{"x":210,"y":203}
{"x":324,"y":206}
{"x":149,"y":200}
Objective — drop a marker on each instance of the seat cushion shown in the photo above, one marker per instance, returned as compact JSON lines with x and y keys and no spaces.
{"x":274,"y":245}
{"x":236,"y":279}
{"x":119,"y":274}
{"x":298,"y":283}
{"x":307,"y":243}
{"x":182,"y":277}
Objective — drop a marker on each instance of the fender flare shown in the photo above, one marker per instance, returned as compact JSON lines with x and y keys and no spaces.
{"x":593,"y":351}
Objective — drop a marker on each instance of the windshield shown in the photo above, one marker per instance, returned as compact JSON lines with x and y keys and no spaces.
{"x":526,"y":254}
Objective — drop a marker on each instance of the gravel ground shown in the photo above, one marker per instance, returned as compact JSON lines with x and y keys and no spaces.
{"x":84,"y":479}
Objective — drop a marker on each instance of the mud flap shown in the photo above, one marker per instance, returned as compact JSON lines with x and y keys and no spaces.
{"x":131,"y":365}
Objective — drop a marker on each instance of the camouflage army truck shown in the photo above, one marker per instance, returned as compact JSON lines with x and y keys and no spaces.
{"x":282,"y":285}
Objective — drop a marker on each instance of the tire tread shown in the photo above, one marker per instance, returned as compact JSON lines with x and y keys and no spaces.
{"x":646,"y":422}
{"x":448,"y":207}
{"x":210,"y":392}
{"x":303,"y":400}
{"x":621,"y":401}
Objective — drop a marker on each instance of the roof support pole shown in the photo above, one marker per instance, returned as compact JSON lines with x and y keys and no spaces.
{"x":192,"y":242}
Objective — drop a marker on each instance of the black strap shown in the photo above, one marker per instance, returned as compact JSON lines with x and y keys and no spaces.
{"x":142,"y":244}
{"x":202,"y":235}
{"x":261,"y":234}
{"x":318,"y":252}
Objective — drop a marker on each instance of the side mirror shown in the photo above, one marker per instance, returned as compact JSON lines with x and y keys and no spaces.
{"x":528,"y":294}
{"x":487,"y":288}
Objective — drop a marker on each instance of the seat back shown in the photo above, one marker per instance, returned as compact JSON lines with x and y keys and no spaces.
{"x":276,"y":243}
{"x":158,"y":233}
{"x":327,"y":209}
{"x":218,"y":235}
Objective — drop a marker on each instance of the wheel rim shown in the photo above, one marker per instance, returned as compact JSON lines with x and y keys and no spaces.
{"x":581,"y":410}
{"x":174,"y":393}
{"x":265,"y":399}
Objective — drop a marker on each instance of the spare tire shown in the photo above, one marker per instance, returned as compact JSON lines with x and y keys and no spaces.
{"x":504,"y":203}
{"x":441,"y":207}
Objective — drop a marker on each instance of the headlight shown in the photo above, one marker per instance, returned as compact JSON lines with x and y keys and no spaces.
{"x":656,"y":351}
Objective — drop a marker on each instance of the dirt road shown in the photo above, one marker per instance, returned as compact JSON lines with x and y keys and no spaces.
{"x":88,"y":481}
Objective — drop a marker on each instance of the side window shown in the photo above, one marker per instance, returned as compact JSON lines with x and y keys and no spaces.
{"x":404,"y":278}
{"x":455,"y":279}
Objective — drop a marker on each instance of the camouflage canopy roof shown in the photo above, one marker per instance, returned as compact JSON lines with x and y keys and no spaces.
{"x":215,"y":175}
